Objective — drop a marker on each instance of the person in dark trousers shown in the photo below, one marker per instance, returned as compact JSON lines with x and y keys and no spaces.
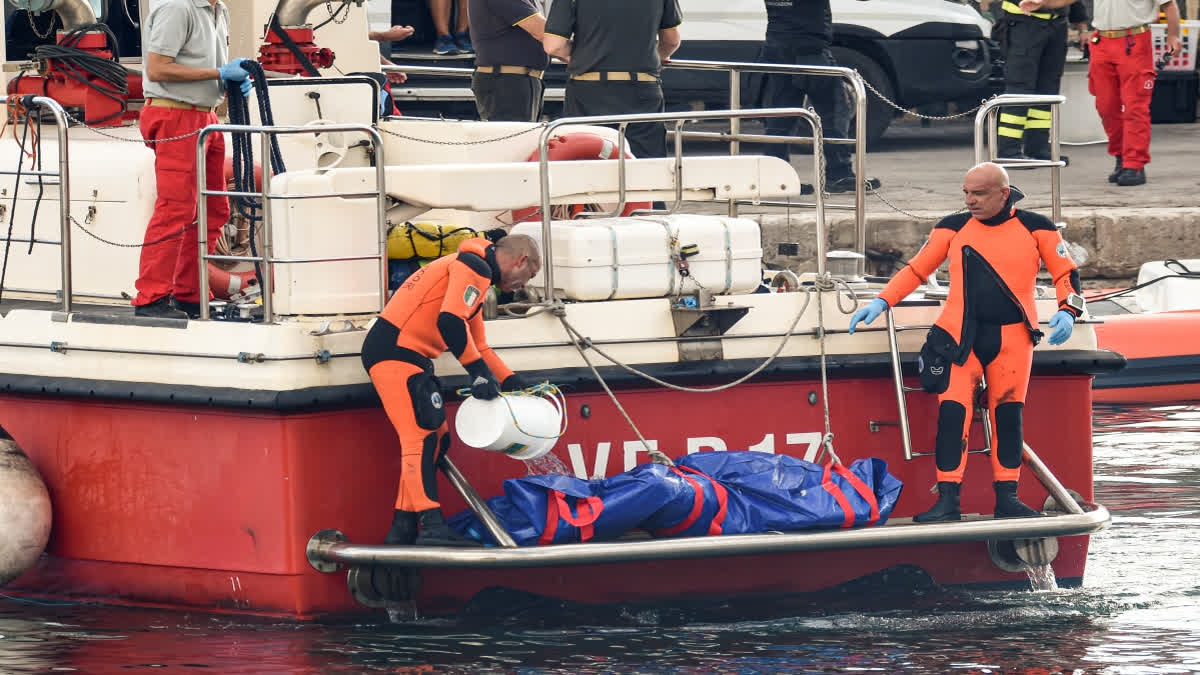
{"x":186,"y":74}
{"x":438,"y":309}
{"x":614,"y":51}
{"x":799,"y":32}
{"x":509,"y":59}
{"x":987,"y":328}
{"x":1034,"y":45}
{"x":1121,"y":75}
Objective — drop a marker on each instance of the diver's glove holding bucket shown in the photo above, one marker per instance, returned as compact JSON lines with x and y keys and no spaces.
{"x":521,"y":425}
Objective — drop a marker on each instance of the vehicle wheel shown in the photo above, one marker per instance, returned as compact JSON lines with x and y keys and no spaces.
{"x":879,"y":114}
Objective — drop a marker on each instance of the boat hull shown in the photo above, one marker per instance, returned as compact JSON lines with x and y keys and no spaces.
{"x":202,"y":507}
{"x":1163,"y":360}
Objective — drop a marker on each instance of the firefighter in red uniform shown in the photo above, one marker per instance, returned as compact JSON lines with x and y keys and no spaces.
{"x":437,"y":309}
{"x":987,"y":328}
{"x":187,"y":42}
{"x":1121,"y":75}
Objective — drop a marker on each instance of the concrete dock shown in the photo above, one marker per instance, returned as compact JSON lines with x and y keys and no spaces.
{"x":922,"y":169}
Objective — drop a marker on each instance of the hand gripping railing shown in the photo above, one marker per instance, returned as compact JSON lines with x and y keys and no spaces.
{"x":265,"y":251}
{"x":985,"y":133}
{"x":679,"y":118}
{"x":64,"y":186}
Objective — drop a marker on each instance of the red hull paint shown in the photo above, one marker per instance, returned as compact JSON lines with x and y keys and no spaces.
{"x":1143,"y":336}
{"x":211,"y":508}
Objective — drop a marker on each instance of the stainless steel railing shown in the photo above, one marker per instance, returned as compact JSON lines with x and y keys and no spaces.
{"x":622,"y":121}
{"x":266,"y":256}
{"x":734,"y":137}
{"x":985,"y":132}
{"x":64,"y":189}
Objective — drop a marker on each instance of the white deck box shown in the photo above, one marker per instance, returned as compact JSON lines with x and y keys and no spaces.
{"x":1172,"y":294}
{"x":611,"y":258}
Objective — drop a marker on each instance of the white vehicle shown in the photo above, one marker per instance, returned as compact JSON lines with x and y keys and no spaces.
{"x":915,"y":52}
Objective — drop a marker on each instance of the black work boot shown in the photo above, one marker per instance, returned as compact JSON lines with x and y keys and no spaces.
{"x":404,"y":528}
{"x":1112,"y":177}
{"x":1129,"y":177}
{"x":1007,"y":504}
{"x":159,"y":309}
{"x":946,"y":508}
{"x":192,"y":309}
{"x":435,"y":532}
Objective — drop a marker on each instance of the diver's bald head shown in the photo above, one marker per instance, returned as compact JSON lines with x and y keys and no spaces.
{"x":986,"y":190}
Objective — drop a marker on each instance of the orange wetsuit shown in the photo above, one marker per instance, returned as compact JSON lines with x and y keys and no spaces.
{"x":437,"y":309}
{"x":991,"y":323}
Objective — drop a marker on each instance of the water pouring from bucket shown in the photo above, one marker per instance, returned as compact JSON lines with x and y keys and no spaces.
{"x":523,"y":425}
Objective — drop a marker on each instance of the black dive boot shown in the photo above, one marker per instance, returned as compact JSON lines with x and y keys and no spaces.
{"x":404,"y":529}
{"x":435,"y":532}
{"x":946,"y":508}
{"x":1007,"y":504}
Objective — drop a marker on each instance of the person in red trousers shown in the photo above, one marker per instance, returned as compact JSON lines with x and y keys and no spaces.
{"x":1121,"y":75}
{"x":187,"y":41}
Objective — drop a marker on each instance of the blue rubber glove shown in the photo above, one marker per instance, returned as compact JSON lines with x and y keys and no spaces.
{"x":1061,"y":325}
{"x":868,"y":313}
{"x":233,"y":71}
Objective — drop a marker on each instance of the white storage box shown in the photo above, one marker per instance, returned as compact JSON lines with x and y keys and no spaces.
{"x":611,"y":258}
{"x":1172,"y":294}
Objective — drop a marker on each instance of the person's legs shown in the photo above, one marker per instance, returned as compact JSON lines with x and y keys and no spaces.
{"x":440,"y":11}
{"x":1020,"y":77}
{"x":1136,"y":73}
{"x":832,"y":103}
{"x":645,"y":140}
{"x":1052,"y":55}
{"x":175,"y":206}
{"x":186,"y":283}
{"x":955,"y":407}
{"x":1007,"y":383}
{"x":1105,"y":86}
{"x":779,"y":91}
{"x":412,"y":400}
{"x":507,"y":97}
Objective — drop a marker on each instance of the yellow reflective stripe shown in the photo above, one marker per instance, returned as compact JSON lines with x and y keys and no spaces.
{"x":1011,"y":133}
{"x":1037,"y":124}
{"x":1014,"y":8}
{"x":1009,"y":118}
{"x":1038,"y":113}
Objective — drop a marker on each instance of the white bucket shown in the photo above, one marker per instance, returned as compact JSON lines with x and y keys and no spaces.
{"x":522,"y":426}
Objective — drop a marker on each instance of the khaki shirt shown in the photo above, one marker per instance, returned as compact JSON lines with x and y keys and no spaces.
{"x":195,"y":33}
{"x":1121,"y":14}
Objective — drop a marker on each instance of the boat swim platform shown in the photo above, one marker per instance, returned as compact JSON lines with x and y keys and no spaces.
{"x":329,"y":550}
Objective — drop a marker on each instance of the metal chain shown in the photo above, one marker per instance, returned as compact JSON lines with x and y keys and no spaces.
{"x":79,"y":122}
{"x":98,"y":238}
{"x":897,"y":209}
{"x":333,"y":14}
{"x":34,"y":28}
{"x":906,"y":111}
{"x":483,"y":142}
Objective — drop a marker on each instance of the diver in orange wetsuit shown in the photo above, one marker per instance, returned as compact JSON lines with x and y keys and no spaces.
{"x":438,"y":309}
{"x":987,"y":328}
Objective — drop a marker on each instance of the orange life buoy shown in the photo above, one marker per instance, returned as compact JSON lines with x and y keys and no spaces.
{"x":570,"y":147}
{"x":224,"y":284}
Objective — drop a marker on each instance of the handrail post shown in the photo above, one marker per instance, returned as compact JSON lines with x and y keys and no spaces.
{"x":735,"y":124}
{"x":860,"y":172}
{"x":544,"y":186}
{"x":1055,"y":178}
{"x":202,"y":221}
{"x":898,"y":384}
{"x":818,"y":194}
{"x":268,"y":253}
{"x":476,"y":503}
{"x":64,"y":194}
{"x":381,"y":214}
{"x":1065,"y":501}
